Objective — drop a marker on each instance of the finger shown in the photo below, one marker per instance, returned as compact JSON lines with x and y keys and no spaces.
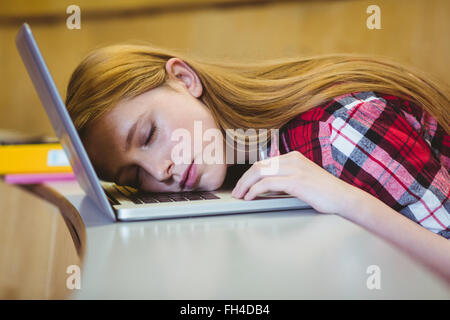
{"x":267,"y":184}
{"x":257,"y":171}
{"x":283,"y":165}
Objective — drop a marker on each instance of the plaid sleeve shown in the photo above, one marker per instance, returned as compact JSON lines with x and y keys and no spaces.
{"x":373,"y":146}
{"x":426,"y":125}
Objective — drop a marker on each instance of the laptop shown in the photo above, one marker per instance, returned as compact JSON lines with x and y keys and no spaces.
{"x":123,"y":203}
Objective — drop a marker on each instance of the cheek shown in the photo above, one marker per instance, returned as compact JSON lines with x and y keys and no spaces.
{"x":214,"y":176}
{"x":152,"y":185}
{"x":168,"y":138}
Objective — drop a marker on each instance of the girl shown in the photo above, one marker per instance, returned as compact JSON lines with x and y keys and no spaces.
{"x":359,"y":137}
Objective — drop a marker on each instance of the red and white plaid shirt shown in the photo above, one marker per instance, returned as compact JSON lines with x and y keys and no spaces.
{"x":384,"y":145}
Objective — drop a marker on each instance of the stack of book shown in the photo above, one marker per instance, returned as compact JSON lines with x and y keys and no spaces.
{"x":27,"y":159}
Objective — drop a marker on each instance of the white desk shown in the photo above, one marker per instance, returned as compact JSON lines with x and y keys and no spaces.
{"x":278,"y":255}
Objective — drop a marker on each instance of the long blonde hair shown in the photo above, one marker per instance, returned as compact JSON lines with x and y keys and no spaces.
{"x":247,"y":95}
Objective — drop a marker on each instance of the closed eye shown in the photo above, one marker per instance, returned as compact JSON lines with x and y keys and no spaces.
{"x":150,"y":136}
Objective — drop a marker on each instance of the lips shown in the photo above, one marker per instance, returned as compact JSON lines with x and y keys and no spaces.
{"x":192,"y":177}
{"x":185,"y":175}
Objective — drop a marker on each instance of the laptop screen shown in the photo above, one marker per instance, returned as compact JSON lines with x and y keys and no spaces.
{"x":60,"y":119}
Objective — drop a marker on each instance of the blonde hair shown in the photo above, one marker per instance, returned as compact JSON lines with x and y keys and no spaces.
{"x":246,"y":95}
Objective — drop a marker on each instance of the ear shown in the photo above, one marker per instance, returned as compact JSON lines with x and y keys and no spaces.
{"x":179,"y":72}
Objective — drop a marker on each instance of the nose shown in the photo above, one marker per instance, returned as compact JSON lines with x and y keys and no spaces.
{"x":160,"y":170}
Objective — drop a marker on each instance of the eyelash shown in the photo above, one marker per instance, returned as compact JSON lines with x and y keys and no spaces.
{"x":149,"y":139}
{"x":150,"y":135}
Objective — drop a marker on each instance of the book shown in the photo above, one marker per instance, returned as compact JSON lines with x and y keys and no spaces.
{"x":21,"y":153}
{"x":27,"y":178}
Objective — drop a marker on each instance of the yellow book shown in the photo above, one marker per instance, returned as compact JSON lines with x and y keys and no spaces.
{"x":33,"y":158}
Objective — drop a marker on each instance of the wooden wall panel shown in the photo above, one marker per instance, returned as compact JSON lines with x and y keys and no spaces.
{"x":414,"y":32}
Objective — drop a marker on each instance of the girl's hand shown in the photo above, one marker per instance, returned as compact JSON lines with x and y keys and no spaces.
{"x":298,"y":176}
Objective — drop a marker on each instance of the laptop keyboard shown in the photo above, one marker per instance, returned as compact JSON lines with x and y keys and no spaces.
{"x":146,"y":197}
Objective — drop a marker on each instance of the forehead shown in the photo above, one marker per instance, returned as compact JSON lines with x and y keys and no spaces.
{"x":155,"y":99}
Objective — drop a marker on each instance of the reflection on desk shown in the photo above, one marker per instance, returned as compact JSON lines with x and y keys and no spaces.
{"x":36,"y":247}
